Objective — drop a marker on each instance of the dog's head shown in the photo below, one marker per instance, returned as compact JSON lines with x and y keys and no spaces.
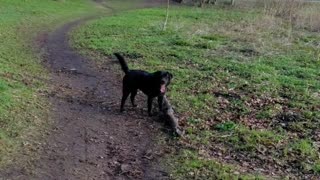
{"x":164,"y":79}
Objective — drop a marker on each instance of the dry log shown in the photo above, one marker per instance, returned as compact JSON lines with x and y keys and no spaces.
{"x":168,"y":115}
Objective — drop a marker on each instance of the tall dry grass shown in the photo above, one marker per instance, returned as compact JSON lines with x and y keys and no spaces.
{"x":298,"y":13}
{"x":309,"y":18}
{"x":287,"y":9}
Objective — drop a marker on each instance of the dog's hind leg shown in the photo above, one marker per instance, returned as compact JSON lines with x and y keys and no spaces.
{"x":150,"y":99}
{"x":132,"y":97}
{"x":125,"y":95}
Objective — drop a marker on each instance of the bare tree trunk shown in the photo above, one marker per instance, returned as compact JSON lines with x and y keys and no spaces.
{"x":201,"y":3}
{"x":232,"y":2}
{"x":214,"y":2}
{"x":167,"y":16}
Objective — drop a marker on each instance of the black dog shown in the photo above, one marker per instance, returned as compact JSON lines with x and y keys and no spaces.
{"x":152,"y":84}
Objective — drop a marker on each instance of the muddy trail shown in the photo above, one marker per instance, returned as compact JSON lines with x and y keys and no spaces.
{"x":90,"y":139}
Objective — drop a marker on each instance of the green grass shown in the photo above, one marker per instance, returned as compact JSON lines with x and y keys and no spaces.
{"x":22,"y":77}
{"x":241,"y":85}
{"x":248,"y":140}
{"x":193,"y":166}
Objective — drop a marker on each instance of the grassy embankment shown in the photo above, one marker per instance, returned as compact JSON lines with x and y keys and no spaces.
{"x":246,"y":85}
{"x":22,"y":77}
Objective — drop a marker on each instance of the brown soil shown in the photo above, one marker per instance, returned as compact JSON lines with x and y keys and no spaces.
{"x":90,"y":139}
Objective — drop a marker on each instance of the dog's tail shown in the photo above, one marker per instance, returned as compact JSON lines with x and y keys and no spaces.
{"x":123,"y":63}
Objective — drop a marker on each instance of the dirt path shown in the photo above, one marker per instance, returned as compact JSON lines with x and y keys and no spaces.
{"x":90,"y":138}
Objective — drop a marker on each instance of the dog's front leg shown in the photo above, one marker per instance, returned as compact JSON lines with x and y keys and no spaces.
{"x":160,"y":102}
{"x":150,"y":99}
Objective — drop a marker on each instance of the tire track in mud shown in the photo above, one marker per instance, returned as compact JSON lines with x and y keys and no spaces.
{"x":90,"y":139}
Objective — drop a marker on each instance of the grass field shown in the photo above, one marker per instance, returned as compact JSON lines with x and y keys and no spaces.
{"x":246,"y":86}
{"x":22,"y":77}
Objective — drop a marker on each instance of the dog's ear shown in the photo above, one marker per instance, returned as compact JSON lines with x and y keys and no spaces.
{"x":158,"y":74}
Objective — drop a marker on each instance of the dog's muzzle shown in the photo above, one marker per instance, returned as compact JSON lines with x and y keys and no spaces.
{"x":163,"y":88}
